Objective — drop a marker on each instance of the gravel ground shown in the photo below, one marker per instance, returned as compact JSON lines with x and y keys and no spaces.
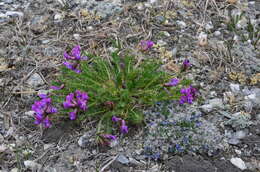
{"x":219,"y":132}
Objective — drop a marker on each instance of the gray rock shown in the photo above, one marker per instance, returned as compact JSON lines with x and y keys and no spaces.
{"x":15,"y":170}
{"x":8,"y":1}
{"x":161,"y":43}
{"x":217,"y":33}
{"x":35,"y":80}
{"x":14,"y":14}
{"x":182,"y":24}
{"x":234,"y":88}
{"x":32,"y":165}
{"x":241,"y":134}
{"x":160,"y":19}
{"x":84,"y":141}
{"x":238,"y":163}
{"x":103,"y":9}
{"x":39,"y":23}
{"x":122,"y":159}
{"x":213,"y":103}
{"x":233,"y":141}
{"x":58,"y":17}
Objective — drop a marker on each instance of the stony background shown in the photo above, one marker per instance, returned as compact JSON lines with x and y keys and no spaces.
{"x":34,"y":34}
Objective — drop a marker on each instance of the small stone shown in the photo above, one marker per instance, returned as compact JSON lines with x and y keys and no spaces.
{"x":58,"y":17}
{"x":217,"y":33}
{"x":213,"y":103}
{"x":3,"y":148}
{"x":234,"y":88}
{"x":113,"y":143}
{"x":140,"y":6}
{"x":47,"y":146}
{"x":112,"y":49}
{"x":161,"y":43}
{"x":167,"y":34}
{"x":174,"y":51}
{"x":182,"y":24}
{"x":209,"y":26}
{"x":76,"y":36}
{"x":238,"y":163}
{"x":241,"y":134}
{"x":122,"y":159}
{"x":35,"y":80}
{"x":90,"y":28}
{"x":238,"y":152}
{"x":233,"y":141}
{"x":46,"y":41}
{"x":160,"y":19}
{"x":153,"y":1}
{"x":32,"y":165}
{"x":134,"y":162}
{"x":8,"y":1}
{"x":258,"y":117}
{"x":83,"y":141}
{"x":1,"y":138}
{"x":203,"y":39}
{"x":15,"y":170}
{"x":14,"y":14}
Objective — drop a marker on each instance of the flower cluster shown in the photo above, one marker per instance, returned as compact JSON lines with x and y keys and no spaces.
{"x":75,"y":55}
{"x":188,"y":95}
{"x":146,"y":45}
{"x":173,"y":82}
{"x":123,"y":126}
{"x":42,"y":109}
{"x":77,"y":101}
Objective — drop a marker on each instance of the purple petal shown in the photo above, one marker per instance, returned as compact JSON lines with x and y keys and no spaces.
{"x":124,"y":129}
{"x":56,"y":87}
{"x":73,"y":115}
{"x":110,"y":136}
{"x":75,"y":52}
{"x":116,"y":119}
{"x":42,"y":96}
{"x":68,"y":65}
{"x":67,"y":56}
{"x":47,"y":122}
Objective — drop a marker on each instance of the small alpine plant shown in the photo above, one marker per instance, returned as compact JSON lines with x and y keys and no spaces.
{"x":113,"y":91}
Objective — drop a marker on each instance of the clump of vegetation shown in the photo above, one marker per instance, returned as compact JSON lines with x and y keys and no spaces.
{"x":248,"y":33}
{"x":114,"y":91}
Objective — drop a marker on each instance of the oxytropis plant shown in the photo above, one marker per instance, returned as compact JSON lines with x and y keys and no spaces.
{"x":113,"y":91}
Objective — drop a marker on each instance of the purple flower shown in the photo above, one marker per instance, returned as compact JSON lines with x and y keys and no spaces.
{"x":72,"y":66}
{"x":70,"y":102}
{"x":110,"y":136}
{"x":173,"y":82}
{"x":57,"y":87}
{"x":186,"y":64}
{"x":123,"y":128}
{"x":188,"y":95}
{"x":78,"y":101}
{"x":42,"y":109}
{"x":75,"y":55}
{"x":146,"y":45}
{"x":73,"y":114}
{"x":116,"y":119}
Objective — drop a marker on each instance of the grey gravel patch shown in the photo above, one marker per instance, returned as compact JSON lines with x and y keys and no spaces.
{"x":35,"y":80}
{"x":103,"y":9}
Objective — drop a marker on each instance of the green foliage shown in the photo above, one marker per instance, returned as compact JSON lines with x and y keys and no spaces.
{"x":117,"y":87}
{"x":250,"y":32}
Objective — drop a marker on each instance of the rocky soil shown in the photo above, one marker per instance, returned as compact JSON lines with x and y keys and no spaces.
{"x":219,"y":132}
